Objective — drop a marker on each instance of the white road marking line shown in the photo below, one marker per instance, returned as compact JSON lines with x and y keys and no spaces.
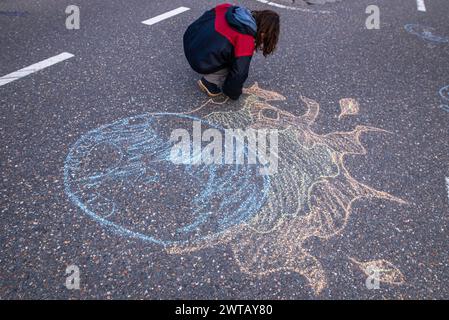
{"x":278,"y":5}
{"x":166,"y":15}
{"x":421,"y":5}
{"x":447,"y":186}
{"x":34,"y":67}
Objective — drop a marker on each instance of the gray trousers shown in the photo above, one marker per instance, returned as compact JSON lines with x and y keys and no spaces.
{"x":217,"y":77}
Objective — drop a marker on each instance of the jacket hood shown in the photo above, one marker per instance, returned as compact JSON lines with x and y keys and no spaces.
{"x":241,"y":19}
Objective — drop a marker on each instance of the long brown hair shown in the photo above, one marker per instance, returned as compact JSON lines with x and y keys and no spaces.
{"x":267,"y":30}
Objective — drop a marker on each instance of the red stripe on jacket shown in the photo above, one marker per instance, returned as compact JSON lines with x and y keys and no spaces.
{"x":243,"y":43}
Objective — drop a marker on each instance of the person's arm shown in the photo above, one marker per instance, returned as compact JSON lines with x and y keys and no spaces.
{"x":238,"y":73}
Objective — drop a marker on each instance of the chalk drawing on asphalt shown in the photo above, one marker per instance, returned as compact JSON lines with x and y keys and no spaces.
{"x":348,"y":106}
{"x":444,"y":94}
{"x":388,"y":272}
{"x":426,"y":33}
{"x":119,"y":175}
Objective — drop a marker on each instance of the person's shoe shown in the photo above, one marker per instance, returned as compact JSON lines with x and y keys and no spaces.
{"x":210,"y":88}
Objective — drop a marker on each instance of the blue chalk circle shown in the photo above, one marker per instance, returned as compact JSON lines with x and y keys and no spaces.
{"x":121,"y":175}
{"x":426,"y":33}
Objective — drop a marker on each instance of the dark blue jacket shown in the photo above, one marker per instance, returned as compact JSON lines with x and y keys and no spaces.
{"x":222,"y":37}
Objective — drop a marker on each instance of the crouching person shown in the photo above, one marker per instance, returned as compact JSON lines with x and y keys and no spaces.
{"x":219,"y":45}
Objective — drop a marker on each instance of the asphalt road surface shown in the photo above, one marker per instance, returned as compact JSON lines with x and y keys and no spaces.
{"x":390,"y":246}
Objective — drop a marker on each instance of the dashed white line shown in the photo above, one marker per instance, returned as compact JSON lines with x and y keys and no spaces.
{"x":166,"y":15}
{"x":421,"y":5}
{"x":447,"y":186}
{"x":34,"y":68}
{"x":283,"y":6}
